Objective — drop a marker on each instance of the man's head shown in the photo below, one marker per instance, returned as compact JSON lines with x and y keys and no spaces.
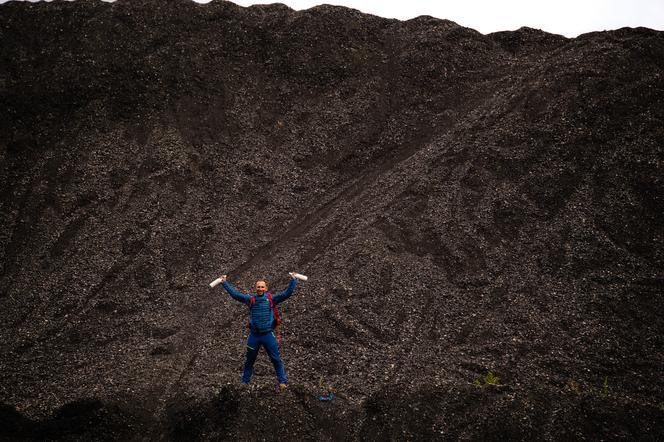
{"x":261,"y":286}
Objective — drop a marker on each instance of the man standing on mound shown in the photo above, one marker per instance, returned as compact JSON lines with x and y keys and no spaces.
{"x":262,"y":323}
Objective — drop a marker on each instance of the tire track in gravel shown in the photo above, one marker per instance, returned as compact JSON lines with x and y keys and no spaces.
{"x":346,"y":200}
{"x":87,"y":301}
{"x":347,"y":194}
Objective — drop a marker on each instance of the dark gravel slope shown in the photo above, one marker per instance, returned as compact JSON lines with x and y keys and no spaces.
{"x":462,"y":203}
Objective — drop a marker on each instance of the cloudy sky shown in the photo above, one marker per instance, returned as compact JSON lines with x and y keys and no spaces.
{"x":566,"y":17}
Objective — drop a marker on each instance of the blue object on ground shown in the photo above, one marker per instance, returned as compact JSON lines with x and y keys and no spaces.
{"x":326,"y":398}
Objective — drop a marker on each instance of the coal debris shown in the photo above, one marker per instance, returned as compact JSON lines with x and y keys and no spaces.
{"x":462,"y":204}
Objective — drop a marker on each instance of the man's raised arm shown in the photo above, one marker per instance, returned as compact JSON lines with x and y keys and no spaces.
{"x":235,"y":294}
{"x":282,"y":296}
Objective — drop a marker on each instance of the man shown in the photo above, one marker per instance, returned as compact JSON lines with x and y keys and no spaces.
{"x":261,"y":326}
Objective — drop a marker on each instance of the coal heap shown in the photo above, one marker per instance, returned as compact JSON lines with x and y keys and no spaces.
{"x":480,"y":217}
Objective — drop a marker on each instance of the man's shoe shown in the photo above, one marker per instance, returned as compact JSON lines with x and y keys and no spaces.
{"x":283,"y":387}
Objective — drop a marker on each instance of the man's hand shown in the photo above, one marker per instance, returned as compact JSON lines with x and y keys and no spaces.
{"x":218,"y":281}
{"x":296,"y":275}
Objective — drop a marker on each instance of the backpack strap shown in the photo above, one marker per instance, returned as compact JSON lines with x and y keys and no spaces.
{"x":277,"y":319}
{"x":252,"y":301}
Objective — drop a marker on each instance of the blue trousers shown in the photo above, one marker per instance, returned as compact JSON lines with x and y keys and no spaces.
{"x":254,"y":343}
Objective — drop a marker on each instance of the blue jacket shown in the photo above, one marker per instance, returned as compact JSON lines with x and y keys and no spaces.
{"x":261,"y":316}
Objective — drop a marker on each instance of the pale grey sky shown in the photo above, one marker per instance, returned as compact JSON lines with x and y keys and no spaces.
{"x":566,"y":17}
